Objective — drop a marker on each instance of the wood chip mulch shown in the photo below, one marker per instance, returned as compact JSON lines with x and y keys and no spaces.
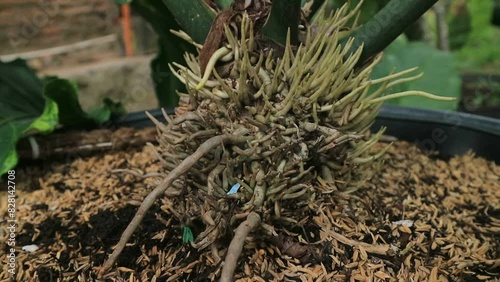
{"x":419,"y":219}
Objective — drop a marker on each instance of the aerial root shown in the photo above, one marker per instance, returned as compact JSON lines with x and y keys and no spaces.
{"x":236,"y":246}
{"x":165,"y":186}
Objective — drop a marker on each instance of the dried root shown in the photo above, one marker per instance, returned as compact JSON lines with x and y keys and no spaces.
{"x":236,"y":245}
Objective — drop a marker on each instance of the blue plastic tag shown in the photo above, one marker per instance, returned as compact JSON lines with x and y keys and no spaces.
{"x":234,"y":189}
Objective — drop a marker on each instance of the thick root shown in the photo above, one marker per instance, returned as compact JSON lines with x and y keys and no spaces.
{"x":236,"y":246}
{"x":159,"y":191}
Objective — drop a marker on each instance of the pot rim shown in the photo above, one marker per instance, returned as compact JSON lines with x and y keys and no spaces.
{"x":391,"y":112}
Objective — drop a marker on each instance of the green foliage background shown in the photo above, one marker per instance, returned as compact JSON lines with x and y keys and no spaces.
{"x":440,"y":77}
{"x":30,"y":105}
{"x":481,"y":48}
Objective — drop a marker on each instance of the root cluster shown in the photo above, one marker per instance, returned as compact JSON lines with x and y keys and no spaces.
{"x":294,"y":131}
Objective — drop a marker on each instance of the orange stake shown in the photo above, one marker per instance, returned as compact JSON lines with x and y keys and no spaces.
{"x":127,"y":30}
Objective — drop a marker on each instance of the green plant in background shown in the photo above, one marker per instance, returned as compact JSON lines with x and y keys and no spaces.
{"x":473,"y":40}
{"x":23,"y":109}
{"x":196,"y":18}
{"x":486,"y":94}
{"x":472,"y":36}
{"x":65,"y":93}
{"x":481,"y":47}
{"x":439,"y":73}
{"x":30,"y":105}
{"x":367,"y":11}
{"x":495,"y":20}
{"x":460,"y":27}
{"x":439,"y":68}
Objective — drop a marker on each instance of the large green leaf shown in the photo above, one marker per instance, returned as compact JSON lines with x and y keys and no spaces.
{"x":109,"y":110}
{"x":18,"y":81}
{"x":385,"y":26}
{"x":441,"y":76}
{"x":65,"y":94}
{"x":170,"y":49}
{"x":166,"y":84}
{"x":23,"y":109}
{"x":71,"y":114}
{"x":367,"y":11}
{"x":482,"y":43}
{"x":459,"y":24}
{"x":194,"y":16}
{"x":285,"y":15}
{"x":223,"y":4}
{"x":29,"y":105}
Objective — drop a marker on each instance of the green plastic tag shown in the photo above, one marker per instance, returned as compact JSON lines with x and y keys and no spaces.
{"x":187,"y":235}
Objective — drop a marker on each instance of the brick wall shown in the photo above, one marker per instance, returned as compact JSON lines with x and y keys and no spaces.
{"x":27,"y":25}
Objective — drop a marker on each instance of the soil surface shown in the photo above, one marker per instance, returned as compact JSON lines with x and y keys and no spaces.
{"x":439,"y":219}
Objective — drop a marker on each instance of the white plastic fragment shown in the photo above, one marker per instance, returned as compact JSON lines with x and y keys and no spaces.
{"x":30,"y":248}
{"x":406,"y":222}
{"x":234,"y":189}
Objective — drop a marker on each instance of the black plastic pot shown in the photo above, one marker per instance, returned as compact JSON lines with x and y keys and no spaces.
{"x":449,"y":133}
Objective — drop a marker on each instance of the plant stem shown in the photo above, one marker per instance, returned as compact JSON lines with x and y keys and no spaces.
{"x":159,"y":191}
{"x":387,"y":25}
{"x":236,"y":246}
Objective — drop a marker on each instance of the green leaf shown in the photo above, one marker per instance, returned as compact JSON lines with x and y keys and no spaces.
{"x":481,"y":47}
{"x":107,"y":111}
{"x":10,"y":160}
{"x":170,"y":49}
{"x":65,"y":93}
{"x":285,"y":14}
{"x":23,"y":109}
{"x":117,"y":109}
{"x":387,"y":24}
{"x":194,"y":16}
{"x":223,"y":4}
{"x":459,"y":24}
{"x":441,"y":76}
{"x":166,"y":84}
{"x":368,"y":8}
{"x":20,"y":83}
{"x":29,"y":105}
{"x":48,"y":120}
